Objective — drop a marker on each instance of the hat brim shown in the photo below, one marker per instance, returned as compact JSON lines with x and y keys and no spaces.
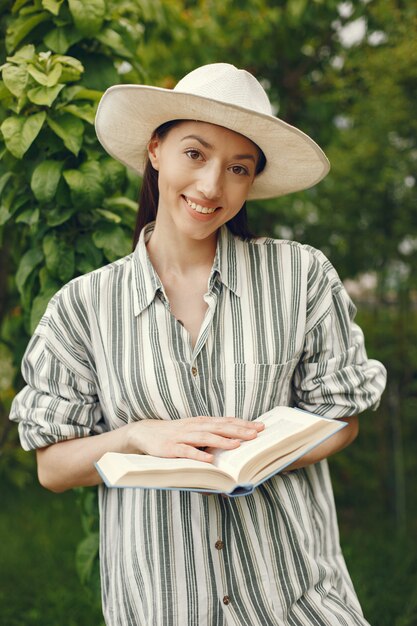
{"x":128,"y":114}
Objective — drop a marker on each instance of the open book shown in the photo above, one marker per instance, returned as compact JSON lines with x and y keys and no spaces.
{"x":288,"y":434}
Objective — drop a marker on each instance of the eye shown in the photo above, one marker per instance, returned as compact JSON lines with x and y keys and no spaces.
{"x":193,"y":154}
{"x":240,"y":170}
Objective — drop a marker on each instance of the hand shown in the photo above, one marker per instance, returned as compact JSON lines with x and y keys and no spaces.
{"x":184,"y":437}
{"x":330,"y":446}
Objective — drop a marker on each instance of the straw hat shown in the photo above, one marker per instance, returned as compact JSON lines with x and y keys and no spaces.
{"x":220,"y":94}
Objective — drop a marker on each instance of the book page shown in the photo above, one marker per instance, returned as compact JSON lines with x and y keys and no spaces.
{"x":147,"y":462}
{"x":282,"y":424}
{"x":149,"y":471}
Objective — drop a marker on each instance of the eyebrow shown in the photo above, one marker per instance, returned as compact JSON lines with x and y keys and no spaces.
{"x":210,"y":147}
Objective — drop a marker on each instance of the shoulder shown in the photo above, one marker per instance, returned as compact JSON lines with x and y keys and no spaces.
{"x":268,"y":244}
{"x":314,"y":259}
{"x":300,"y":266}
{"x":73,"y":301}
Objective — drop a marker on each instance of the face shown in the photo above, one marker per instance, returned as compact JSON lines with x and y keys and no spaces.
{"x":205,"y":175}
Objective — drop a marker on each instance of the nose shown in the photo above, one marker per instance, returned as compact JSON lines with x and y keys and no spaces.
{"x":210,"y":183}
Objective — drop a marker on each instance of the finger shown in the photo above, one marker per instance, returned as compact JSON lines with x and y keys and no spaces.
{"x":185,"y":451}
{"x":237,"y":428}
{"x":237,"y":421}
{"x":207,"y":420}
{"x":235,"y":431}
{"x":204,"y":440}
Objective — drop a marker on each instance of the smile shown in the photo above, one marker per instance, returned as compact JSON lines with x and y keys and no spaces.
{"x":198,"y":207}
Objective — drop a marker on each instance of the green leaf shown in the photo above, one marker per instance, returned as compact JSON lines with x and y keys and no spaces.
{"x":84,"y":112}
{"x":47,"y":281}
{"x":296,"y":8}
{"x":81,"y":93}
{"x":70,"y":75}
{"x":5,"y":215}
{"x":67,"y":61}
{"x":8,"y":206}
{"x":7,"y":371}
{"x":16,"y":105}
{"x":45,"y":179}
{"x":20,"y":132}
{"x":88,"y":503}
{"x":86,"y":555}
{"x":29,"y":217}
{"x":112,"y":240}
{"x":69,"y":129}
{"x":88,"y":15}
{"x":5,"y":94}
{"x":114,"y":40}
{"x":121,"y":202}
{"x":31,"y":259}
{"x":100,"y":71}
{"x":18,"y":4}
{"x":21,"y":27}
{"x":53,"y":6}
{"x":39,"y":306}
{"x":114,"y":175}
{"x":44,"y":95}
{"x":49,"y":79}
{"x":85,"y":184}
{"x":109,"y":216}
{"x":59,"y":215}
{"x":60,"y":39}
{"x":88,"y":256}
{"x":4,"y":180}
{"x":59,"y":257}
{"x":23,"y":55}
{"x":15,"y":78}
{"x":26,"y":296}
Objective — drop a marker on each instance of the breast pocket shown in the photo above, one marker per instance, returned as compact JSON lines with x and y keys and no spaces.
{"x":254,"y":388}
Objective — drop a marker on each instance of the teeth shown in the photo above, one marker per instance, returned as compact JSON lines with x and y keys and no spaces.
{"x":198,"y":207}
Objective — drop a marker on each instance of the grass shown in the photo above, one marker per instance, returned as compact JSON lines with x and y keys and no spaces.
{"x":383,"y":567}
{"x":38,"y":583}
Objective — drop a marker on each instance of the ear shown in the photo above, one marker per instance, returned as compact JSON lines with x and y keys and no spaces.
{"x":153,"y":152}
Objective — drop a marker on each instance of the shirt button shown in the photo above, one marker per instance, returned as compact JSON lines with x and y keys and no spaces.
{"x":219,"y":545}
{"x":194,"y":371}
{"x":226,"y":600}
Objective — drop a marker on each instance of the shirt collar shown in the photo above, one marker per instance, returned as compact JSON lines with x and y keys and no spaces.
{"x":147,"y":283}
{"x":145,"y":279}
{"x":226,"y":263}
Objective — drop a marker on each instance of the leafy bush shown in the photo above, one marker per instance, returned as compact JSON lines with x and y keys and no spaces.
{"x":66,"y":208}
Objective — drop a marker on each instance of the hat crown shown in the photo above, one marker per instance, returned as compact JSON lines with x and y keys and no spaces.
{"x":225,"y":83}
{"x":221,"y":94}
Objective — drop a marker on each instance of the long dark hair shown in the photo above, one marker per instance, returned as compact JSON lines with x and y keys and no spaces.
{"x":149,"y":194}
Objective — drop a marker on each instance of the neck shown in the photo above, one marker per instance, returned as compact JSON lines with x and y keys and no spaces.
{"x":172,"y":253}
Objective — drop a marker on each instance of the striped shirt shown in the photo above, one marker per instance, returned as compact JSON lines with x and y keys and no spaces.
{"x":278,"y":330}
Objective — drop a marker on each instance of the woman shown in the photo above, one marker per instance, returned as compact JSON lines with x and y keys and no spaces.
{"x":176,"y":348}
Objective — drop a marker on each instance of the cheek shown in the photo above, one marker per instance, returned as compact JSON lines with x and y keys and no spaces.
{"x":166,"y":182}
{"x":240,"y":194}
{"x":172,"y":178}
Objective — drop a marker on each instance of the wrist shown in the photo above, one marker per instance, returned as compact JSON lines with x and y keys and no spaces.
{"x":130,"y":443}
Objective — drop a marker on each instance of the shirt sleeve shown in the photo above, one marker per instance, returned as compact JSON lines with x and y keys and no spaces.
{"x":60,"y":399}
{"x":334,"y":376}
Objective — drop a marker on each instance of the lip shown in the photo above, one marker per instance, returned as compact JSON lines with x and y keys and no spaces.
{"x":204,"y":203}
{"x":201,"y":217}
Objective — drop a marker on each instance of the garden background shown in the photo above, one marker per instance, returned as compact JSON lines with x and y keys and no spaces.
{"x":345,"y":73}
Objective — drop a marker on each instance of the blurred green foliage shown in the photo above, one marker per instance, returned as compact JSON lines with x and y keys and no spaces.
{"x":67,"y":208}
{"x":38,"y":579}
